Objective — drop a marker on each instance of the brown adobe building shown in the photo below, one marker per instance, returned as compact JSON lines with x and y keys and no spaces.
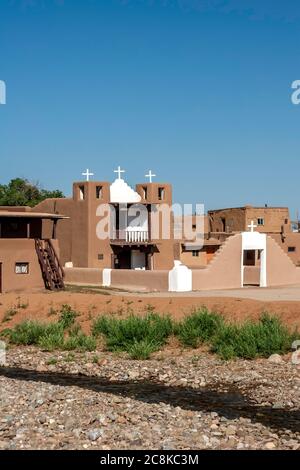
{"x":222,"y":223}
{"x":80,"y":246}
{"x":26,"y":259}
{"x":273,"y":221}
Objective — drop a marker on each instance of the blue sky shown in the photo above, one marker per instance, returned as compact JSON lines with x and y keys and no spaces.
{"x":197,"y":90}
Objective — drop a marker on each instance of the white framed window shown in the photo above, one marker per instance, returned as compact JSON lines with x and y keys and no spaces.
{"x":260,"y":221}
{"x":22,"y":268}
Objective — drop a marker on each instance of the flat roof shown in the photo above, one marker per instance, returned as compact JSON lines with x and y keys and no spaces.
{"x":248,"y":207}
{"x":30,"y":215}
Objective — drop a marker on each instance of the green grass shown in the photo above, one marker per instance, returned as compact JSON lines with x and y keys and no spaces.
{"x":253,"y":339}
{"x":198,"y":328}
{"x":9,"y":314}
{"x":63,"y":334}
{"x":138,"y":336}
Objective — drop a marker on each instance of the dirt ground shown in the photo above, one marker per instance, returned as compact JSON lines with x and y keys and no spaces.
{"x":43,"y":305}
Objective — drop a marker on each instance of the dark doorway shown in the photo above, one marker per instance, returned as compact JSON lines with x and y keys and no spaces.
{"x":249,"y":258}
{"x":123,"y":259}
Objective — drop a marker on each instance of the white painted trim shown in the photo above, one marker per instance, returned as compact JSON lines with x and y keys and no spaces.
{"x":106,"y":277}
{"x":180,"y":278}
{"x":255,"y":241}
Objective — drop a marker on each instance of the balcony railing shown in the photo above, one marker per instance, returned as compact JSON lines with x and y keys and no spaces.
{"x":131,"y":236}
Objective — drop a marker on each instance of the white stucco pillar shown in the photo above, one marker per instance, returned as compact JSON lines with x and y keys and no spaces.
{"x":106,"y":277}
{"x":180,"y":278}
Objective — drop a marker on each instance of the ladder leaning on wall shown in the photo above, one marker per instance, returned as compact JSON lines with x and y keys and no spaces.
{"x":52,"y":270}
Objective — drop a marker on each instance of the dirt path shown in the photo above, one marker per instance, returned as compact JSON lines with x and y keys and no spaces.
{"x":43,"y":305}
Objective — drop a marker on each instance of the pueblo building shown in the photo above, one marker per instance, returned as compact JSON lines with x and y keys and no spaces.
{"x":61,"y":240}
{"x":222,"y":223}
{"x":27,"y":259}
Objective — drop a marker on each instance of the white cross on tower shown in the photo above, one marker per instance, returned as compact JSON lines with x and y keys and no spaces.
{"x":252,"y":226}
{"x":119,"y":171}
{"x":150,"y":176}
{"x":87,"y":174}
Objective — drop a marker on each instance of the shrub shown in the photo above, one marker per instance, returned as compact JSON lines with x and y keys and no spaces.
{"x":126,"y":334}
{"x":64,"y":334}
{"x":80,"y":342}
{"x":9,"y":314}
{"x":199,"y":327}
{"x":252,"y":339}
{"x":67,"y":316}
{"x":141,"y":350}
{"x":26,"y":333}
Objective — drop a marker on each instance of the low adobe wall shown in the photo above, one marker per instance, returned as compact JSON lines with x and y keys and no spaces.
{"x":146,"y":280}
{"x":281,"y":271}
{"x":252,"y":275}
{"x":224,"y":271}
{"x":14,"y":251}
{"x":83,"y":276}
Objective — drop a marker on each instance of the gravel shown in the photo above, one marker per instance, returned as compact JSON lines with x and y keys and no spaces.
{"x":172,"y":402}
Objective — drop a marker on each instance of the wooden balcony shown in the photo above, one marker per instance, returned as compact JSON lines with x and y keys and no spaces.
{"x":130,"y":237}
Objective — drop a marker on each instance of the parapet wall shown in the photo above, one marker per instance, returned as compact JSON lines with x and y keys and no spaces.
{"x":83,"y":276}
{"x":145,"y":280}
{"x":224,"y":271}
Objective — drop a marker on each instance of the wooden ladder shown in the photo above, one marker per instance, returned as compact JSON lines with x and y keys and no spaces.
{"x":52,"y":271}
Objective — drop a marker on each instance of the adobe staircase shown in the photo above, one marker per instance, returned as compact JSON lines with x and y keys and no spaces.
{"x":52,"y":271}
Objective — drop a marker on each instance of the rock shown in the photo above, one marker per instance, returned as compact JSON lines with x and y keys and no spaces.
{"x":270,"y":446}
{"x":94,"y":434}
{"x":296,"y":358}
{"x":276,"y":359}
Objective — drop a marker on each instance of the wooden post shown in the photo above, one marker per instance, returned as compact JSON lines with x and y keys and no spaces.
{"x":149,"y":221}
{"x":54,"y":229}
{"x":28,"y":229}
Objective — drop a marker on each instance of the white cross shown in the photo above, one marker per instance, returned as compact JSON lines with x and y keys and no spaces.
{"x":150,"y":176}
{"x":252,"y":226}
{"x":87,"y":174}
{"x":119,"y":171}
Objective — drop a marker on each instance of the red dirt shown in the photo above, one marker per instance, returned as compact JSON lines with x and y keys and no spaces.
{"x":90,"y":305}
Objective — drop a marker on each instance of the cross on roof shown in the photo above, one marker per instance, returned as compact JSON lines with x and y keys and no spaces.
{"x":252,"y":226}
{"x":119,"y":171}
{"x":87,"y":174}
{"x":150,"y":176}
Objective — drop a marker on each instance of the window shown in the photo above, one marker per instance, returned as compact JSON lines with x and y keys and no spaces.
{"x":286,"y":221}
{"x":98,"y":192}
{"x":260,"y":221}
{"x":195,"y":253}
{"x":145,"y":194}
{"x":161,"y":194}
{"x":22,"y":268}
{"x":291,"y":249}
{"x":81,"y":193}
{"x":100,"y":256}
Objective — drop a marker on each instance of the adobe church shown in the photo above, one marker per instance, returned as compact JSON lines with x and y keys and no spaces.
{"x":58,"y":242}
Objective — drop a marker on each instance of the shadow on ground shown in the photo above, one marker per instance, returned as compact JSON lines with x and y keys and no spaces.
{"x":231,"y":405}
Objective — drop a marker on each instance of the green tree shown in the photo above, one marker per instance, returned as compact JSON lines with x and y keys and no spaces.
{"x":21,"y":192}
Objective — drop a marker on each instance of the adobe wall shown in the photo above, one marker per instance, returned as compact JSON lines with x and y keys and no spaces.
{"x":224,"y":271}
{"x":83,"y":276}
{"x":281,"y":270}
{"x":275,"y":218}
{"x":14,"y":251}
{"x":252,"y":275}
{"x":290,"y":240}
{"x":187,"y":258}
{"x":146,"y":280}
